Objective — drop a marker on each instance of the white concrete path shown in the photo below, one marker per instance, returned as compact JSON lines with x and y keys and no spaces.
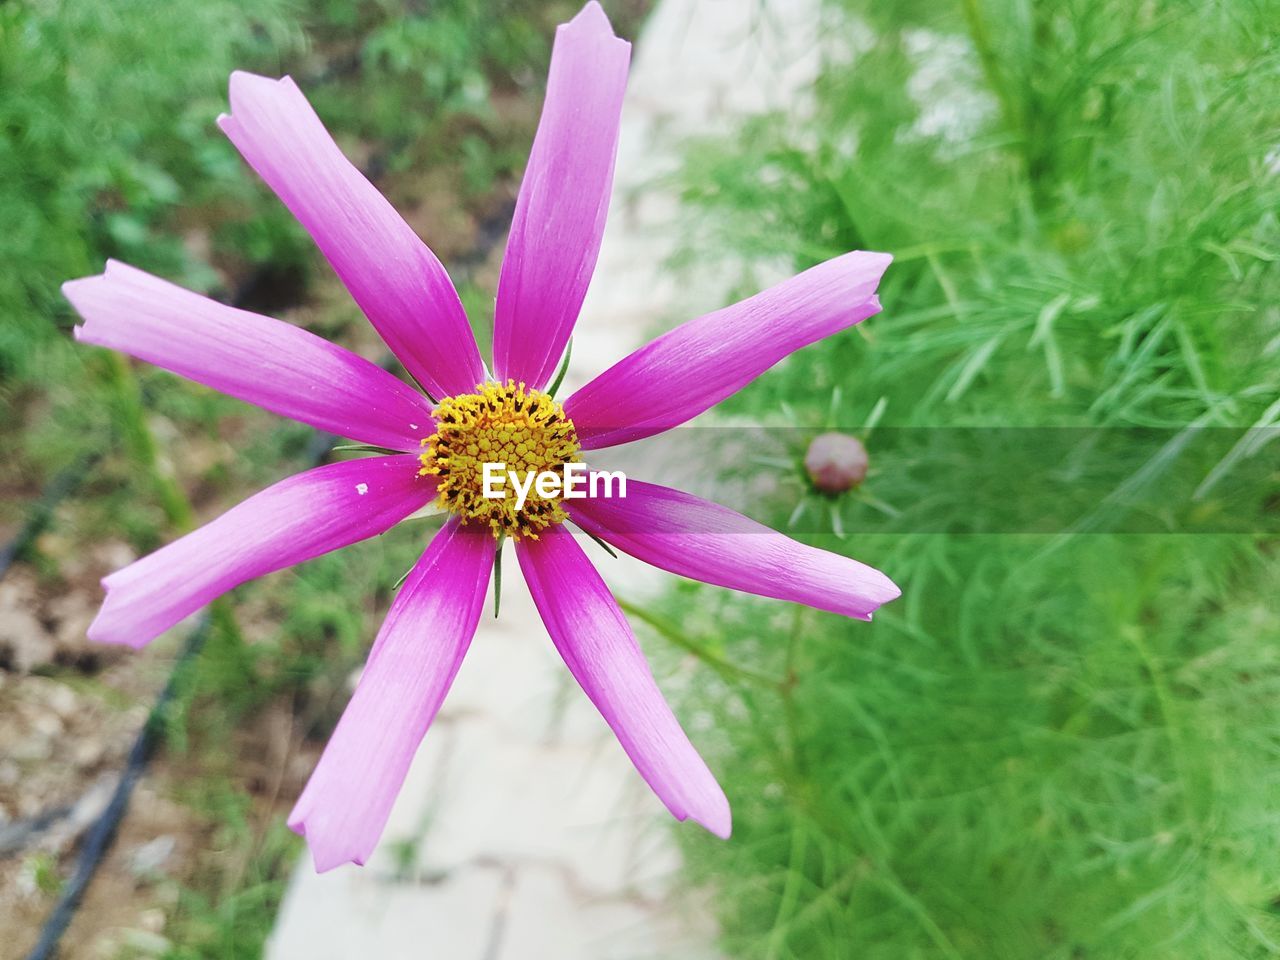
{"x":526,"y":833}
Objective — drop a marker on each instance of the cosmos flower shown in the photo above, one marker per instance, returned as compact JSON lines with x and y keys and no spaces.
{"x":507,"y":416}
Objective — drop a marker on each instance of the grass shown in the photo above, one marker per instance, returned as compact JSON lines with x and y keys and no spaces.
{"x":1054,"y":745}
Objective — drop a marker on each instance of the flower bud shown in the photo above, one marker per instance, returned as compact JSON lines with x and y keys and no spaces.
{"x":836,"y":462}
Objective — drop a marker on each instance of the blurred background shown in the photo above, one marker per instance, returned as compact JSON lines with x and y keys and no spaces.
{"x":1062,"y":742}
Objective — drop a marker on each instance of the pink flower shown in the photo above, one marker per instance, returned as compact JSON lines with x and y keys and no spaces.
{"x":508,"y":417}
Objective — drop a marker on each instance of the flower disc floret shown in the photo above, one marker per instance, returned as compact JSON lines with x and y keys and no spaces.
{"x":525,"y":431}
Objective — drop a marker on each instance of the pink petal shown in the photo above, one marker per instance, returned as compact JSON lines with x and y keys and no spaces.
{"x":696,"y":365}
{"x":396,"y":280}
{"x":559,"y":219}
{"x":705,"y":541}
{"x":601,"y":652}
{"x":344,"y":808}
{"x":275,"y":365}
{"x":296,"y":519}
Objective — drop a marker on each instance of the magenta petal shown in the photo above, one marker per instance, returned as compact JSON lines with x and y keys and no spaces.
{"x":559,"y":219}
{"x":275,"y":365}
{"x":344,"y":808}
{"x":705,"y":541}
{"x":601,"y":652}
{"x":296,"y":519}
{"x":396,"y":280}
{"x":696,"y":365}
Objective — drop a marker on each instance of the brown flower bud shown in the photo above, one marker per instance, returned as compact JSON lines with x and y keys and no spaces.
{"x":836,"y":462}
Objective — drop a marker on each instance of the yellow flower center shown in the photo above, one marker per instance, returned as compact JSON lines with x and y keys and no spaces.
{"x":523,"y":431}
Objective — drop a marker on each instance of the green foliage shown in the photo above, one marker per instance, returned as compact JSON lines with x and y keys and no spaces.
{"x":234,"y":922}
{"x":1125,"y":239}
{"x":42,"y":868}
{"x":105,"y":132}
{"x":411,"y":71}
{"x":1048,"y":747}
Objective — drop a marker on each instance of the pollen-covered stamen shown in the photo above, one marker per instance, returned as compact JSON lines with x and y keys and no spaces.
{"x":524,"y":430}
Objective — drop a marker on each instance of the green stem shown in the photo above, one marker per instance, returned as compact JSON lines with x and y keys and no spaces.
{"x":674,"y":634}
{"x":564,"y":368}
{"x":131,"y":420}
{"x":1167,"y":706}
{"x":789,"y":708}
{"x":497,"y":576}
{"x":1016,"y":119}
{"x":989,"y":59}
{"x":790,"y":892}
{"x":366,"y":448}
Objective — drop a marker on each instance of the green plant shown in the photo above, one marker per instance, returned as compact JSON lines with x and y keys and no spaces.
{"x":1053,"y":745}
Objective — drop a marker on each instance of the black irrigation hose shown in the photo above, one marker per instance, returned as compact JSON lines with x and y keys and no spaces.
{"x":100,"y":836}
{"x":60,"y":487}
{"x":103,"y":831}
{"x":98,"y":841}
